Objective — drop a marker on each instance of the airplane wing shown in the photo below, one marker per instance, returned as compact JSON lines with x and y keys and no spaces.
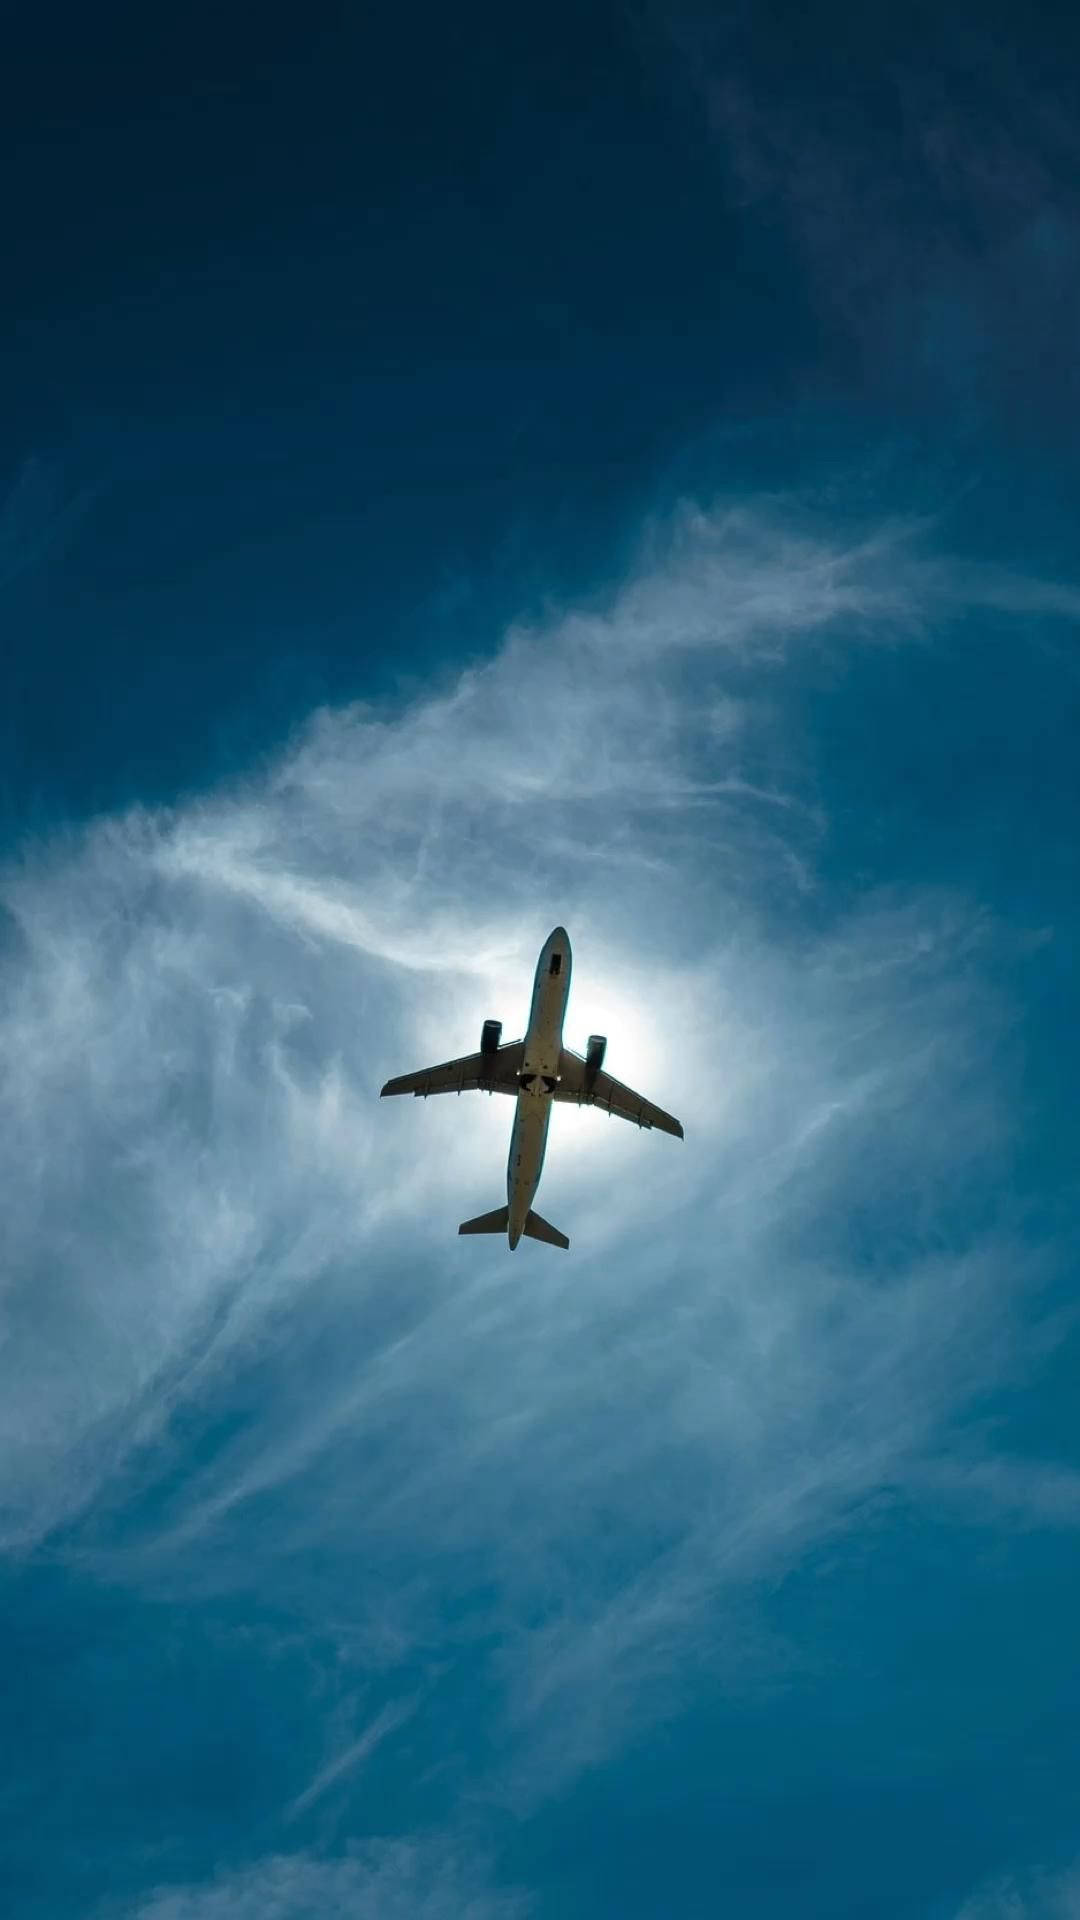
{"x":600,"y":1090}
{"x":493,"y":1072}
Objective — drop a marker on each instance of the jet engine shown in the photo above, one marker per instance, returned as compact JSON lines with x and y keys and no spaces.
{"x":490,"y":1035}
{"x":594,"y":1054}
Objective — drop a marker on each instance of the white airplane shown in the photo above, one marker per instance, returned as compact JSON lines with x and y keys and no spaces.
{"x":537,"y":1071}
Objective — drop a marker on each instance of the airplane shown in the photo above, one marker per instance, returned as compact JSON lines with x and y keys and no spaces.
{"x":537,"y":1071}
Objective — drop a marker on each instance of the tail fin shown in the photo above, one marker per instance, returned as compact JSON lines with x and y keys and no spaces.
{"x":488,"y":1222}
{"x":538,"y":1229}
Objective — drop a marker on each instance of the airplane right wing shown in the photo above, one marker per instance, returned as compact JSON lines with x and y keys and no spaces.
{"x":600,"y":1090}
{"x":492,"y":1072}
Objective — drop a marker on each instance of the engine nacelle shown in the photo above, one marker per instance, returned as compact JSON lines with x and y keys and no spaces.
{"x":594,"y":1053}
{"x":490,"y":1035}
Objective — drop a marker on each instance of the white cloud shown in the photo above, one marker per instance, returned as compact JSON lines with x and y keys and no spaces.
{"x":388,"y":1880}
{"x":1032,"y":1492}
{"x":1041,"y":1896}
{"x":207,"y":1205}
{"x":354,"y":1753}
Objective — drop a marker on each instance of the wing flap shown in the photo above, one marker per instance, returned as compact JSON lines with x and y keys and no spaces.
{"x":583,"y":1089}
{"x":492,"y":1073}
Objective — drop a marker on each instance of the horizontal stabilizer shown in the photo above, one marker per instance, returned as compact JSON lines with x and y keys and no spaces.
{"x":538,"y":1229}
{"x":489,"y":1222}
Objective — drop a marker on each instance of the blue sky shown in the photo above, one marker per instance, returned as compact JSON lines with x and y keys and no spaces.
{"x":460,"y":476}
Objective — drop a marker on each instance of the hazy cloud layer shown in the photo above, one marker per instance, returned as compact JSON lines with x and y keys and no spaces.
{"x":222,"y":1252}
{"x":391,"y":1881}
{"x":1040,"y":1896}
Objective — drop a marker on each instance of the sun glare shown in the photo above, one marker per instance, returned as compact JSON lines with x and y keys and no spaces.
{"x":467,"y":1138}
{"x":604,"y":998}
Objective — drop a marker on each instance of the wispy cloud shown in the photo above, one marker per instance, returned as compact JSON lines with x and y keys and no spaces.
{"x":213,"y":1228}
{"x":928,"y":178}
{"x":1037,"y":1896}
{"x":1035,"y":1493}
{"x":385,"y":1881}
{"x":351,"y":1756}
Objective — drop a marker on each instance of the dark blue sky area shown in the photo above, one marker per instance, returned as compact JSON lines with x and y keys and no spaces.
{"x":337,"y":341}
{"x":732,"y":1570}
{"x":351,"y":338}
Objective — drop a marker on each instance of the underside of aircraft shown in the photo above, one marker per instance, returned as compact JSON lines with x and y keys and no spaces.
{"x":539,"y":1072}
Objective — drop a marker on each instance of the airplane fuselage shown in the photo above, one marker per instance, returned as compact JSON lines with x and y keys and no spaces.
{"x":537,"y":1081}
{"x":535,"y":1072}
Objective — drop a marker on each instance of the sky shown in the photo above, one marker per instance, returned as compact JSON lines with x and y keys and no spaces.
{"x":462,"y":474}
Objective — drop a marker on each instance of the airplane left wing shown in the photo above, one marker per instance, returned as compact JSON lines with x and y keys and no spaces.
{"x":600,"y":1090}
{"x":492,"y":1072}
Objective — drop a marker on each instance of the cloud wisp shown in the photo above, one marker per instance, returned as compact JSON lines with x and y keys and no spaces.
{"x":1039,"y":1896}
{"x":927,"y":177}
{"x":354,"y":1754}
{"x":216,"y":1232}
{"x":394,"y":1880}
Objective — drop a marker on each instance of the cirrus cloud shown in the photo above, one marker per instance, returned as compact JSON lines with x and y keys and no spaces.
{"x":234,"y":1289}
